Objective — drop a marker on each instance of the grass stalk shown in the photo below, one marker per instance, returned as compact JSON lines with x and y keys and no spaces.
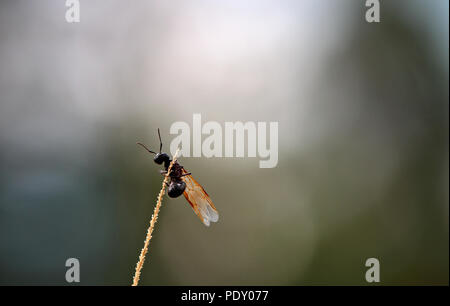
{"x":153,"y":220}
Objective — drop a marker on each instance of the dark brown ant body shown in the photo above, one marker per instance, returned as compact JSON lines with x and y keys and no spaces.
{"x":176,"y":186}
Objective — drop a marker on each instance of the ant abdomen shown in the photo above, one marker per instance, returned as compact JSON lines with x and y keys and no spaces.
{"x":176,"y":188}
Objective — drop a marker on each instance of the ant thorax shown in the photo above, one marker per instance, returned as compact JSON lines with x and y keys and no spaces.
{"x":176,"y":171}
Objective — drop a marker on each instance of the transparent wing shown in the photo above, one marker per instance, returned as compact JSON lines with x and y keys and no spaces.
{"x":199,"y":200}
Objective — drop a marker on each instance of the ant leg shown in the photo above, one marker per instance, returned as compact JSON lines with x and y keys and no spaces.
{"x":185,"y":173}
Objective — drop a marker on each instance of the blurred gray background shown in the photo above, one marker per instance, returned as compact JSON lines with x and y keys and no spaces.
{"x":363,"y":141}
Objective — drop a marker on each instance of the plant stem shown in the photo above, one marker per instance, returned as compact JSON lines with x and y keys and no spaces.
{"x":144,"y":250}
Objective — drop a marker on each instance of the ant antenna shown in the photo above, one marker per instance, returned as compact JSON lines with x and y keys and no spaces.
{"x":160,"y":142}
{"x":141,"y":144}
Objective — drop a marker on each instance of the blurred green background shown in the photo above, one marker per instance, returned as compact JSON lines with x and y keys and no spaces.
{"x":363,"y":141}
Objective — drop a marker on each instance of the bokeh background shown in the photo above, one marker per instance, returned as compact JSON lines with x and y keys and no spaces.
{"x":363,"y":141}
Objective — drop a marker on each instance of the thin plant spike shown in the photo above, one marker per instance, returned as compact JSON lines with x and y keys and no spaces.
{"x":144,"y":250}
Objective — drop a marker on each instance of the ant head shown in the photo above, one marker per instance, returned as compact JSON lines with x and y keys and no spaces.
{"x":161,"y":158}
